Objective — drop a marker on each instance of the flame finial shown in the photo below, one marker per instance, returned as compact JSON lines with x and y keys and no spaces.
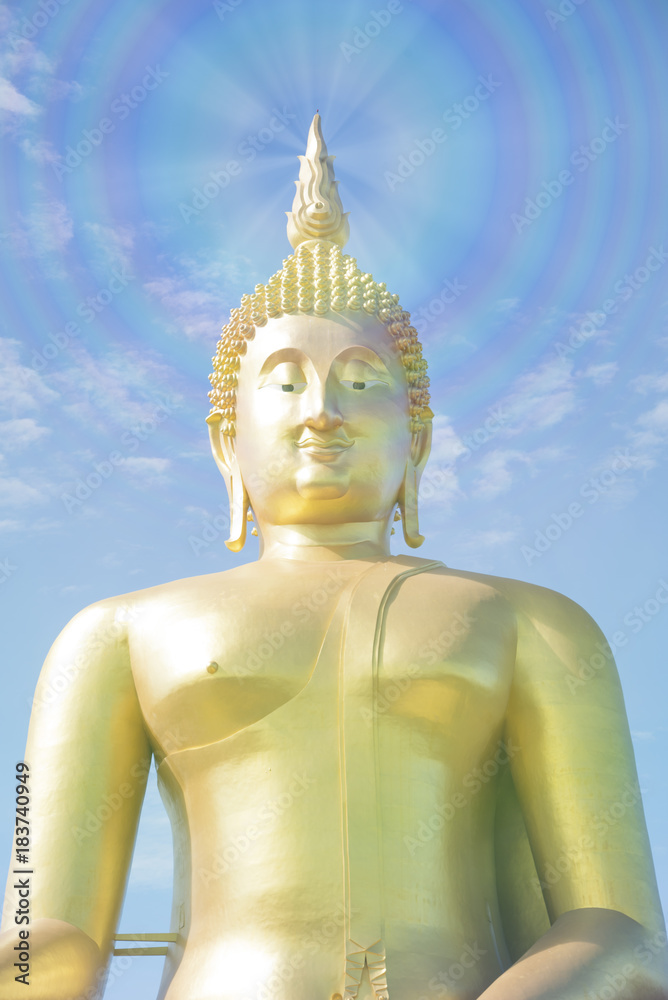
{"x":317,"y":212}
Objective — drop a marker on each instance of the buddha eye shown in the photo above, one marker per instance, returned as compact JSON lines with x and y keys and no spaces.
{"x":285,"y":386}
{"x":350,"y":384}
{"x":285,"y":377}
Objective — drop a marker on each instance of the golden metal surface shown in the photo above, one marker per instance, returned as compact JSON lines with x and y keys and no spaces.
{"x":140,"y":951}
{"x":385,"y":778}
{"x":163,"y":938}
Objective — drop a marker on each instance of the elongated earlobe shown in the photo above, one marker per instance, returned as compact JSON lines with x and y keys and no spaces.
{"x":239,"y":504}
{"x":408,"y":503}
{"x":408,"y":495}
{"x":222,"y":447}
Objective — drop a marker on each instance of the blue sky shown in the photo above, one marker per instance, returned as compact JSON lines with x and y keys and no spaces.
{"x":504,"y":170}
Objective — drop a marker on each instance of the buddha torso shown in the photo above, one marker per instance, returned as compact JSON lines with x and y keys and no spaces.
{"x":316,"y":832}
{"x":335,"y":741}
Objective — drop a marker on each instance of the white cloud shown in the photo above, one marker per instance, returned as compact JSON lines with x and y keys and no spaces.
{"x":25,"y":58}
{"x":196,"y":294}
{"x":112,"y":245}
{"x":486,"y":539}
{"x":50,"y":227}
{"x":496,"y":471}
{"x":8,"y":525}
{"x":175,"y":297}
{"x":507,"y":305}
{"x":45,"y":231}
{"x":39,"y":150}
{"x":601,"y":374}
{"x":446,"y":445}
{"x":440,"y":482}
{"x":612,"y":477}
{"x":21,"y":388}
{"x":45,"y":524}
{"x":15,"y":492}
{"x":191,"y":309}
{"x":540,"y":398}
{"x":214,"y":271}
{"x":656,"y":419}
{"x":439,"y":486}
{"x":14,"y":102}
{"x":146,"y":472}
{"x":19,"y":433}
{"x":650,"y":434}
{"x":141,"y":466}
{"x":644,"y":384}
{"x":197,"y":512}
{"x":58,"y":90}
{"x":577,"y":329}
{"x":121,"y":388}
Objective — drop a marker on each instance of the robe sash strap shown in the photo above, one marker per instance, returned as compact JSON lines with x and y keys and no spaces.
{"x":362,"y":649}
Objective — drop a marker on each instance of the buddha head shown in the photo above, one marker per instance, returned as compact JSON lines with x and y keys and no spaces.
{"x":319,"y":400}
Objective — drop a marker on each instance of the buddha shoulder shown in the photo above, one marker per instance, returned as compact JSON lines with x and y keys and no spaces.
{"x":183,"y":595}
{"x":107,"y":625}
{"x":557,"y":640}
{"x":544,"y":626}
{"x":527,"y":601}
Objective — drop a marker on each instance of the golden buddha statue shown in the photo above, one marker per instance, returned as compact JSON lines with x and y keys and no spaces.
{"x":352,"y":817}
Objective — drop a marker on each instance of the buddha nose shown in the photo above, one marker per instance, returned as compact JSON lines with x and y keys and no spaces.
{"x":322,"y":413}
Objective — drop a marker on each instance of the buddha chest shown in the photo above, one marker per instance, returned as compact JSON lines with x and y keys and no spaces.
{"x":213,"y":660}
{"x":350,"y":778}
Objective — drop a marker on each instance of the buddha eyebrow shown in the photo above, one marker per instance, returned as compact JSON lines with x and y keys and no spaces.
{"x":361,"y":353}
{"x":279,"y":357}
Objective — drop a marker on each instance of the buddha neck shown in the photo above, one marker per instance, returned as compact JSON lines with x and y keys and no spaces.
{"x":325,"y":542}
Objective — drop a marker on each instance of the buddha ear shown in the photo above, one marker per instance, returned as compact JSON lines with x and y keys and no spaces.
{"x":408,"y":496}
{"x":224,"y":454}
{"x":421,"y":442}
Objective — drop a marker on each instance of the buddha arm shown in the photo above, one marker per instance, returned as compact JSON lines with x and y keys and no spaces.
{"x":89,"y":758}
{"x":578,"y":789}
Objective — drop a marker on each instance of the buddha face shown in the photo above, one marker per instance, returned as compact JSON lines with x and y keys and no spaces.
{"x":322,"y":430}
